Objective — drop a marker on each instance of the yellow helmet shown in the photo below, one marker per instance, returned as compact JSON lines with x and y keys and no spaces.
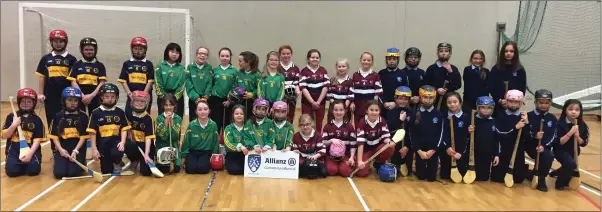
{"x":427,"y":90}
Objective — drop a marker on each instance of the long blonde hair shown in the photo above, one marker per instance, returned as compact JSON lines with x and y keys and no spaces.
{"x":264,"y":71}
{"x":335,"y":79}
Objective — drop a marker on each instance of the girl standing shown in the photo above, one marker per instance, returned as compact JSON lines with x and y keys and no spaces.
{"x":426,"y":131}
{"x":507,"y":74}
{"x":314,"y":85}
{"x":567,"y":134}
{"x":443,"y":75}
{"x":170,"y":77}
{"x":200,"y":142}
{"x":339,"y":88}
{"x":234,"y":143}
{"x":475,"y":80}
{"x":366,"y":87}
{"x":88,"y":75}
{"x":271,"y":83}
{"x":291,"y":76}
{"x":486,"y":145}
{"x":199,"y":80}
{"x":248,"y":77}
{"x":460,"y":121}
{"x":223,"y":82}
{"x":339,"y":131}
{"x":372,"y":135}
{"x":168,"y":126}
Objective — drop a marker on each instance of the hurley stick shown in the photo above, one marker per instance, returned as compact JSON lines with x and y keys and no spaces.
{"x":534,"y":182}
{"x":470,"y":175}
{"x":575,"y":181}
{"x":455,"y":173}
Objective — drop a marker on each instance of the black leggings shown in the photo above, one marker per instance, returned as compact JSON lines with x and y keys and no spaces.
{"x":235,"y":163}
{"x":198,"y":162}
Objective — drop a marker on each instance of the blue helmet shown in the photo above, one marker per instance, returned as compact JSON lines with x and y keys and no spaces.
{"x":392,"y":52}
{"x":71,"y":92}
{"x":387,"y":173}
{"x":485,"y":100}
{"x":403,"y":91}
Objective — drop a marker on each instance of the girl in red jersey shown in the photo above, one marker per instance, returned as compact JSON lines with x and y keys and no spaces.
{"x":366,"y":87}
{"x":372,"y":135}
{"x":314,"y":85}
{"x":339,"y":88}
{"x":308,"y":144}
{"x":339,"y":132}
{"x":291,"y":77}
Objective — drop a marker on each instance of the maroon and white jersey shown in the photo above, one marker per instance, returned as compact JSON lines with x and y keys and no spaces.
{"x":291,"y":74}
{"x":371,"y":134}
{"x":366,"y":85}
{"x":342,"y":89}
{"x":342,"y":131}
{"x":313,"y":80}
{"x":309,"y":145}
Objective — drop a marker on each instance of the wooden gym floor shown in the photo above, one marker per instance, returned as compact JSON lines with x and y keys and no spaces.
{"x":190,"y":192}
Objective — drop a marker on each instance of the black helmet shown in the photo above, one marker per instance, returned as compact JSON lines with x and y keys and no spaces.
{"x":445,"y":45}
{"x":412,"y":51}
{"x":543,"y":94}
{"x":88,"y":42}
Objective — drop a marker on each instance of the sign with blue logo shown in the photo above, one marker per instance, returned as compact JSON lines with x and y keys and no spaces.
{"x":272,"y":164}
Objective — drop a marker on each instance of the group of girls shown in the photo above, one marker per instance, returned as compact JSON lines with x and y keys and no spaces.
{"x":381,"y":103}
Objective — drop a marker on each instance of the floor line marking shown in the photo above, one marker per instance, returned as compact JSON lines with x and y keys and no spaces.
{"x":211,"y":181}
{"x":97,"y":190}
{"x":357,"y":193}
{"x":40,"y":195}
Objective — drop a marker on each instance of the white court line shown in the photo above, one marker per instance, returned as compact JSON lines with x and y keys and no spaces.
{"x":40,"y":195}
{"x":44,"y":144}
{"x":357,"y":193}
{"x":97,"y":190}
{"x":581,"y":186}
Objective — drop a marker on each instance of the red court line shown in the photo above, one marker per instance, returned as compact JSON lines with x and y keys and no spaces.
{"x":590,"y":200}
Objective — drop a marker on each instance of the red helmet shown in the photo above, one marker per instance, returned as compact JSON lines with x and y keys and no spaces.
{"x":217,"y":162}
{"x":58,"y":34}
{"x":27,"y":93}
{"x":138,"y":41}
{"x":141,"y":95}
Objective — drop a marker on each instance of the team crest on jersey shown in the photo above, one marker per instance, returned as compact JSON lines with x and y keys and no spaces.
{"x":515,"y":73}
{"x":549,"y":123}
{"x":142,"y":126}
{"x":399,"y":79}
{"x":420,"y":77}
{"x":96,"y":70}
{"x":66,"y":62}
{"x":31,"y":126}
{"x":116,"y":118}
{"x":254,"y":162}
{"x":435,"y":120}
{"x":460,"y":124}
{"x":492,"y":128}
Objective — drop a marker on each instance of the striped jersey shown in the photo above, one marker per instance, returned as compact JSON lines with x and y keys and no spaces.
{"x":366,"y":85}
{"x":342,"y":131}
{"x":308,"y":145}
{"x":291,"y":74}
{"x":137,"y":73}
{"x":143,"y":127}
{"x":313,"y":80}
{"x":87,"y":74}
{"x":341,"y":89}
{"x":371,"y":134}
{"x":54,"y":68}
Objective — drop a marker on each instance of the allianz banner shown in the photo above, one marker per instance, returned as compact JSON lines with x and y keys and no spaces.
{"x":272,"y":164}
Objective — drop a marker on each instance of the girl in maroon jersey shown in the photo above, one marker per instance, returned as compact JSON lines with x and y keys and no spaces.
{"x":339,"y":132}
{"x":291,"y":77}
{"x":314,"y":86}
{"x":308,"y":144}
{"x":372,"y":135}
{"x":339,"y":88}
{"x":366,"y":87}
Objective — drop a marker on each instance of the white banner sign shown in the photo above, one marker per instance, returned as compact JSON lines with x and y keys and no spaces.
{"x":272,"y":164}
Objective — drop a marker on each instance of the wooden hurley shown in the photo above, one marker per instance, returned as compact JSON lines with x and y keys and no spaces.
{"x":152,"y":166}
{"x":97,"y":176}
{"x":23,"y":146}
{"x":103,"y":175}
{"x":575,"y":181}
{"x":470,"y":175}
{"x":441,"y":97}
{"x":404,"y":167}
{"x":455,"y":173}
{"x":535,"y":180}
{"x":509,"y":179}
{"x":399,"y":136}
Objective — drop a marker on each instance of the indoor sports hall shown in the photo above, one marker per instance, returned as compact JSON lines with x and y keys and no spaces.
{"x":559,"y":44}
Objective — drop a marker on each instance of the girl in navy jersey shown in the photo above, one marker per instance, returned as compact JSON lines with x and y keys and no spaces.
{"x":366,"y":87}
{"x":291,"y":77}
{"x":460,"y":121}
{"x":426,"y":131}
{"x":339,"y":88}
{"x":88,"y":74}
{"x":398,"y":118}
{"x":440,"y":72}
{"x":486,"y":146}
{"x":507,"y":74}
{"x":314,"y":85}
{"x":339,"y":131}
{"x":567,"y":134}
{"x":475,"y":80}
{"x":372,"y":135}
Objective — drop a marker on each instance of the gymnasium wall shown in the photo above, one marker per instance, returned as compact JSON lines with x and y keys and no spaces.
{"x":337,"y":29}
